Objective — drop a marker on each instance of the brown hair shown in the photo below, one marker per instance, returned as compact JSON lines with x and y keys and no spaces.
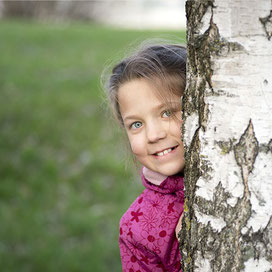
{"x":162,"y":64}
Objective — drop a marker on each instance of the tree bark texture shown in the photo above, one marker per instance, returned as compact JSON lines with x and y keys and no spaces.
{"x":227,"y":133}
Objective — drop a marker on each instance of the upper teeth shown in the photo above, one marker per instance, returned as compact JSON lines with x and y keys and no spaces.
{"x":164,"y":152}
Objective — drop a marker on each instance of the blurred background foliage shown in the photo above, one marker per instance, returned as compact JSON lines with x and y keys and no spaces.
{"x":63,"y":182}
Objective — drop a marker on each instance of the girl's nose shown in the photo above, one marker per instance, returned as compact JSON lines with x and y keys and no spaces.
{"x":155,"y":131}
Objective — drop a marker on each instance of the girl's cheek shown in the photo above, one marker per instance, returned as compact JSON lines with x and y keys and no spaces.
{"x":136,"y":144}
{"x":176,"y":128}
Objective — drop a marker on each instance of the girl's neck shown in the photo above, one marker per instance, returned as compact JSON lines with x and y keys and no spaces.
{"x":153,"y":177}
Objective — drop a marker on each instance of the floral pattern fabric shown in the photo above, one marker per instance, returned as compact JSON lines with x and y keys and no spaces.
{"x":147,"y":230}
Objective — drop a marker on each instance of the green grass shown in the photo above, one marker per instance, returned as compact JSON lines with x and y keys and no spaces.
{"x":63,"y":183}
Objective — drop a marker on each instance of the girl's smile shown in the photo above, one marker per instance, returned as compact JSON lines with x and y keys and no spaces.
{"x":165,"y":152}
{"x":153,"y":129}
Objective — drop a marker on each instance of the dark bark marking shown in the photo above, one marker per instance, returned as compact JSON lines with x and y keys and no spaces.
{"x":222,"y":92}
{"x":192,"y":163}
{"x":225,"y":146}
{"x":266,"y":148}
{"x":228,"y":146}
{"x":258,"y":244}
{"x":267,"y":25}
{"x":247,"y":150}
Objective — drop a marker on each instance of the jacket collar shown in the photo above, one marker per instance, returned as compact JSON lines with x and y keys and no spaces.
{"x":171,"y":184}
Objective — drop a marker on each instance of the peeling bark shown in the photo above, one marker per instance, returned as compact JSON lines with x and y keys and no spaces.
{"x":227,"y":128}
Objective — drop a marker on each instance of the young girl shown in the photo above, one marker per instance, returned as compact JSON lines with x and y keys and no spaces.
{"x":145,"y":91}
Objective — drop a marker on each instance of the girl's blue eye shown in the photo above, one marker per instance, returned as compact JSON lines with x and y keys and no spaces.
{"x":167,"y":113}
{"x":136,"y":125}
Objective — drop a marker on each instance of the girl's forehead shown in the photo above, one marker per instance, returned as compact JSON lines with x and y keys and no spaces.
{"x":143,"y":89}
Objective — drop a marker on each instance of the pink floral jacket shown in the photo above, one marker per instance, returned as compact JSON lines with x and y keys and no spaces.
{"x":147,"y":230}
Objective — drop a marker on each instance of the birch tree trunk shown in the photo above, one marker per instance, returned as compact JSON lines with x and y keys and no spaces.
{"x":227,"y":224}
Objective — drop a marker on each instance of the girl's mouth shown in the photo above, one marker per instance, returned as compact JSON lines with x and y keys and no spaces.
{"x":165,"y":152}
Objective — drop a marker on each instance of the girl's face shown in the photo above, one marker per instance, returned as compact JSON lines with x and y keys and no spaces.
{"x":153,"y":133}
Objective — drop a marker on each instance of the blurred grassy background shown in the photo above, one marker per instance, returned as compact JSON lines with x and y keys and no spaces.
{"x":63,"y":183}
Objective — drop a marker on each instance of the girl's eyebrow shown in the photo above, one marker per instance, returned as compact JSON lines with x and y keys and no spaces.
{"x":131,"y":117}
{"x":158,"y":107}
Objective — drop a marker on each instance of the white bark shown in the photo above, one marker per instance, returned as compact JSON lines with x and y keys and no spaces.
{"x":233,"y":128}
{"x":244,"y":82}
